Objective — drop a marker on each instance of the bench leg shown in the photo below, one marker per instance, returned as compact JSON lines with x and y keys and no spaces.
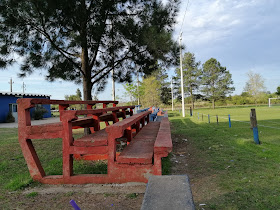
{"x":67,"y":165}
{"x":157,"y":165}
{"x":128,"y":134}
{"x":112,"y":146}
{"x":34,"y":165}
{"x":67,"y":141}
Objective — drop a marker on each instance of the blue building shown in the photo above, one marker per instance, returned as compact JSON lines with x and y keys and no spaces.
{"x":8,"y":103}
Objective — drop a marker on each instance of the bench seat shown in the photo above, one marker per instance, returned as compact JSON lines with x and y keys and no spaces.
{"x":140,"y":152}
{"x":99,"y":138}
{"x":149,"y":132}
{"x":141,"y":149}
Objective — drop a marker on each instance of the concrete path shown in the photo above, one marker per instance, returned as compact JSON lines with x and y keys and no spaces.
{"x":33,"y":122}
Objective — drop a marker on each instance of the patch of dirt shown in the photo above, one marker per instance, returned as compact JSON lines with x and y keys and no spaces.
{"x":84,"y":201}
{"x":186,"y":159}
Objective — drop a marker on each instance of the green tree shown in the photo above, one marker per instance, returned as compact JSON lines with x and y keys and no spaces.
{"x":216,"y":80}
{"x":165,"y":90}
{"x":79,"y":94}
{"x":131,"y":91}
{"x":255,"y":85}
{"x":83,"y":40}
{"x":151,"y":87}
{"x":77,"y":97}
{"x":278,"y":91}
{"x":191,"y":74}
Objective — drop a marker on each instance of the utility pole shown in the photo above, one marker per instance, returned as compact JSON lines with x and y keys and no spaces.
{"x":138,"y":87}
{"x":23,"y":87}
{"x":11,"y":85}
{"x":182,"y":83}
{"x":113,"y":65}
{"x":172,"y":93}
{"x":113,"y":86}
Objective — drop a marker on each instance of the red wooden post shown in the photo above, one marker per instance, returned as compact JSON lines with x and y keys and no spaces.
{"x":89,"y":106}
{"x":148,"y":118}
{"x":35,"y":168}
{"x":115,"y":117}
{"x":129,"y":134}
{"x":137,"y":127}
{"x":131,"y":111}
{"x":67,"y":141}
{"x":62,"y":107}
{"x":124,"y":113}
{"x":142,"y":122}
{"x":96,"y":122}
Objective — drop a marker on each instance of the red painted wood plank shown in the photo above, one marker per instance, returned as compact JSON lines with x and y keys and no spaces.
{"x":45,"y":131}
{"x":139,"y":152}
{"x":148,"y":133}
{"x":163,"y":141}
{"x":88,"y":150}
{"x":99,"y":138}
{"x":119,"y":127}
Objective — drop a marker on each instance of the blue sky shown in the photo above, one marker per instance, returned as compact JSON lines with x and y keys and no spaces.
{"x":241,"y":35}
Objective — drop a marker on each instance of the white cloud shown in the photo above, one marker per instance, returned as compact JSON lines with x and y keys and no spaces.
{"x":240,"y":34}
{"x":216,"y":19}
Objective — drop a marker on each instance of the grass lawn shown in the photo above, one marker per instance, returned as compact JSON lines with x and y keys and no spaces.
{"x":247,"y":175}
{"x":13,"y":168}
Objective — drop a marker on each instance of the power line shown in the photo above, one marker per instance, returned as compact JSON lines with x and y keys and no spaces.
{"x":184,"y":17}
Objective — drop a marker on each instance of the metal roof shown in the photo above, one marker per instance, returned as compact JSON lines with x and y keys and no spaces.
{"x":23,"y":94}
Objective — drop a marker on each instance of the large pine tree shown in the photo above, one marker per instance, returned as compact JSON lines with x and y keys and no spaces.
{"x":83,"y":40}
{"x":216,"y":80}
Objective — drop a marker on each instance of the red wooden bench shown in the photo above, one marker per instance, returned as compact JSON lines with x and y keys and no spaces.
{"x":140,"y":159}
{"x":26,"y":131}
{"x":136,"y":163}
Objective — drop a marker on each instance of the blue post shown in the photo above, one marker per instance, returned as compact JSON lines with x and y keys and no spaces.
{"x":198,"y":115}
{"x":254,"y":125}
{"x":256,"y":135}
{"x":75,"y":206}
{"x":229,"y":122}
{"x":191,"y":111}
{"x":208,"y":118}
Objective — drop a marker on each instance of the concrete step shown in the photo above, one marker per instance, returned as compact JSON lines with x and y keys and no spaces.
{"x":168,"y":193}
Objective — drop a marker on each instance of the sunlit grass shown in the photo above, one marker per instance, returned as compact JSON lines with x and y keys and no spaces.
{"x":248,"y":174}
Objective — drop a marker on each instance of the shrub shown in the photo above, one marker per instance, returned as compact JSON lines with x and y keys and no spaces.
{"x":39,"y":112}
{"x":10,"y":118}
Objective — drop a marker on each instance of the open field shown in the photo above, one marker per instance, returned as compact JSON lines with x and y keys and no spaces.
{"x":243,"y":175}
{"x":226,"y":169}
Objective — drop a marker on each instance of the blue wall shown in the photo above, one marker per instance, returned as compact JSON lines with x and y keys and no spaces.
{"x":5,"y":100}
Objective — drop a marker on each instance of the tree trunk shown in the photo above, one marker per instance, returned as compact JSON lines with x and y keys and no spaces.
{"x":87,"y":85}
{"x":192,"y":99}
{"x":213,"y":102}
{"x":192,"y":104}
